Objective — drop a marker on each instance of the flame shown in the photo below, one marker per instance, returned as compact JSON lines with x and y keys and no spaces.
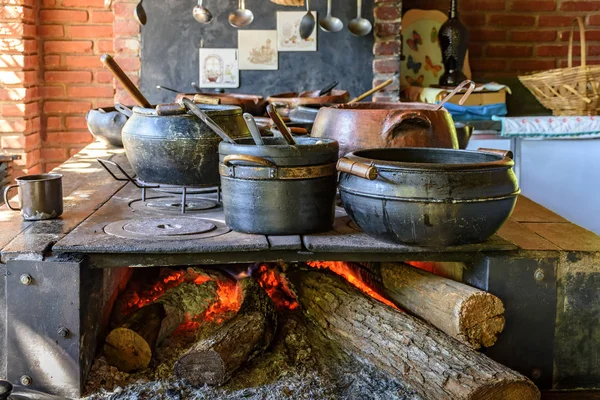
{"x":139,"y":299}
{"x":276,"y":287}
{"x":347,"y":272}
{"x":229,"y":302}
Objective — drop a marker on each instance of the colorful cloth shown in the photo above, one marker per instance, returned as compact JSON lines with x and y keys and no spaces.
{"x":584,"y":127}
{"x":475,"y":113}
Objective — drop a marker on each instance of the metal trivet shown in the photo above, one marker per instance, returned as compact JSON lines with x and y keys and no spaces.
{"x":166,"y":228}
{"x":169,"y":205}
{"x":167,"y":188}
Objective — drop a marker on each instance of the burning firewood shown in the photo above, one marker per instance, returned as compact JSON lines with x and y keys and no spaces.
{"x":433,"y":364}
{"x":470,"y":315}
{"x":131,"y":344}
{"x":214,"y":359}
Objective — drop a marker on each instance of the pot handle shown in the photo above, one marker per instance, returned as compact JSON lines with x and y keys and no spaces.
{"x":356,"y":168}
{"x":6,"y":197}
{"x":396,"y":118}
{"x":126,"y":111}
{"x":246,"y":158}
{"x":202,"y":99}
{"x":170,"y":109}
{"x":503,"y":153}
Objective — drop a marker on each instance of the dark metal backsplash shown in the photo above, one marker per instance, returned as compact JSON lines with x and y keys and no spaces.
{"x":171,"y":39}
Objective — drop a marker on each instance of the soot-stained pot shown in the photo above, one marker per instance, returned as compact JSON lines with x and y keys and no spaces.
{"x":428,"y":197}
{"x":106,"y":124}
{"x":179,"y":149}
{"x":278,"y":189}
{"x":358,"y":126}
{"x":250,"y":103}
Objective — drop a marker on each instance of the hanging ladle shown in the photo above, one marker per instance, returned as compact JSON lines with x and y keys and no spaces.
{"x":241,"y":17}
{"x":140,"y":13}
{"x":201,"y":13}
{"x":330,"y":23}
{"x":359,"y":26}
{"x":307,"y":23}
{"x":194,"y":109}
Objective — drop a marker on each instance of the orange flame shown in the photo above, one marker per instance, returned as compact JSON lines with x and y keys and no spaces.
{"x":229,"y":302}
{"x":347,"y":272}
{"x":276,"y":287}
{"x":145,"y":297}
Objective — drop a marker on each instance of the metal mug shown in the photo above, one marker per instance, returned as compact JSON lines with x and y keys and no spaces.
{"x":40,"y":196}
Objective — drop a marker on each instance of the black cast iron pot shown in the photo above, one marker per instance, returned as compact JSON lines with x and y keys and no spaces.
{"x":278,"y":189}
{"x":179,"y":149}
{"x":106,"y":124}
{"x":428,"y":197}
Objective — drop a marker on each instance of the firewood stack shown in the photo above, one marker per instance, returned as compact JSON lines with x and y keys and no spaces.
{"x":433,"y":351}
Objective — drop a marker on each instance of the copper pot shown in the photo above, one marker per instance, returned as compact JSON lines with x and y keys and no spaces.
{"x":359,"y":126}
{"x":253,"y":104}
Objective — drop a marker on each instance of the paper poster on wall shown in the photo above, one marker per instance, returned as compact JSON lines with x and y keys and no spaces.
{"x":219,"y":68}
{"x":288,"y":32}
{"x":257,"y":49}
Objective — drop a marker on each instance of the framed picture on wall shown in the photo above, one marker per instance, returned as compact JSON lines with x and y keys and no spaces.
{"x":219,"y":68}
{"x":257,"y":49}
{"x":288,"y":36}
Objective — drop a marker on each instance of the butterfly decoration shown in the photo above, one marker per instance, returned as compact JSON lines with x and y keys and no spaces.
{"x":411,"y":64}
{"x":434,"y":35}
{"x":415,"y":41}
{"x":415,"y":82}
{"x":435,"y":69}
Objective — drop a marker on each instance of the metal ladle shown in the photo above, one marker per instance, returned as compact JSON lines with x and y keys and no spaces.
{"x":241,"y":17}
{"x":202,"y":14}
{"x":307,"y":23}
{"x":329,"y":23}
{"x":359,"y":26}
{"x":140,"y":14}
{"x":194,"y":109}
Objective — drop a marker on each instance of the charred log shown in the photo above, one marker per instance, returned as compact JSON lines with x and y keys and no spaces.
{"x":130,"y":345}
{"x":214,"y":359}
{"x":433,"y":364}
{"x":470,"y":315}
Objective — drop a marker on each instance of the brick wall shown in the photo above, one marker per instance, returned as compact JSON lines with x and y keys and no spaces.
{"x":51,"y":75}
{"x":386,"y":50}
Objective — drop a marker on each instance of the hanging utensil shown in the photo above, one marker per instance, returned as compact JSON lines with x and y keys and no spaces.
{"x":328,"y":88}
{"x":375,"y":89}
{"x":140,"y":14}
{"x":194,"y":109}
{"x":159,"y":87}
{"x":359,"y":26}
{"x":202,"y":14}
{"x":133,"y":91}
{"x":281,"y":126}
{"x":196,"y":87}
{"x":329,"y":23}
{"x":241,"y":17}
{"x":456,"y":90}
{"x":307,"y":23}
{"x":253,"y":128}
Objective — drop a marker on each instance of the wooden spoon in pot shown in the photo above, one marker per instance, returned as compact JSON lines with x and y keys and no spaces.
{"x":133,"y":91}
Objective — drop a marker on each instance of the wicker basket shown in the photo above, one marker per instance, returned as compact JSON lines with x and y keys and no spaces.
{"x":293,"y":3}
{"x":571,"y":90}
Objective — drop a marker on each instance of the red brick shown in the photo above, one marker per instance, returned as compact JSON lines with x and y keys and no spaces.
{"x":49,"y":167}
{"x":13,"y":94}
{"x":69,"y":137}
{"x":387,"y":48}
{"x":123,"y":97}
{"x":49,"y":3}
{"x":473,"y":19}
{"x":590,"y":36}
{"x":386,"y":13}
{"x":132,"y":46}
{"x":592,"y":5}
{"x":126,"y":27}
{"x":555,"y":20}
{"x":105,"y":46}
{"x":123,"y":10}
{"x":74,"y":150}
{"x":509,"y":51}
{"x":12,"y":142}
{"x":33,"y":141}
{"x":594,"y":20}
{"x":556,"y":50}
{"x":54,"y":123}
{"x":32,"y":158}
{"x":482,"y":5}
{"x":83,"y":61}
{"x":50,"y":31}
{"x":68,"y":76}
{"x":63,"y":16}
{"x":83,"y":3}
{"x":52,"y":91}
{"x":487,"y":64}
{"x":475,"y":49}
{"x":67,"y":106}
{"x":90,"y":91}
{"x":91,"y":31}
{"x":486,"y":35}
{"x":593,"y":50}
{"x":12,"y":125}
{"x":533,"y":5}
{"x":386,"y":66}
{"x":386,"y":29}
{"x":102,"y":16}
{"x":53,"y":154}
{"x":76,"y":122}
{"x":103,"y":77}
{"x":511,"y":20}
{"x":533,"y":36}
{"x":35,"y":169}
{"x":128,"y":63}
{"x":532,"y":65}
{"x":68,"y":46}
{"x":19,"y":110}
{"x":52,"y":61}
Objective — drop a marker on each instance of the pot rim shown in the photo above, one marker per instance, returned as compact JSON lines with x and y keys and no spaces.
{"x":497,"y":161}
{"x":386,"y":106}
{"x":209,"y":109}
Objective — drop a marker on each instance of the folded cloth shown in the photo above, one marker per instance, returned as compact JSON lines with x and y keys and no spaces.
{"x":584,"y":127}
{"x":475,"y":113}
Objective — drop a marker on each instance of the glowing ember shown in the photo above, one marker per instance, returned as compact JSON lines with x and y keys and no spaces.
{"x":229,"y":302}
{"x":147,"y":296}
{"x":276,"y":287}
{"x":347,"y":272}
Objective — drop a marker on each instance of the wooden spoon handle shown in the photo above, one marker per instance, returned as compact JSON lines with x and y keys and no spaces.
{"x":370,"y":92}
{"x":133,"y":91}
